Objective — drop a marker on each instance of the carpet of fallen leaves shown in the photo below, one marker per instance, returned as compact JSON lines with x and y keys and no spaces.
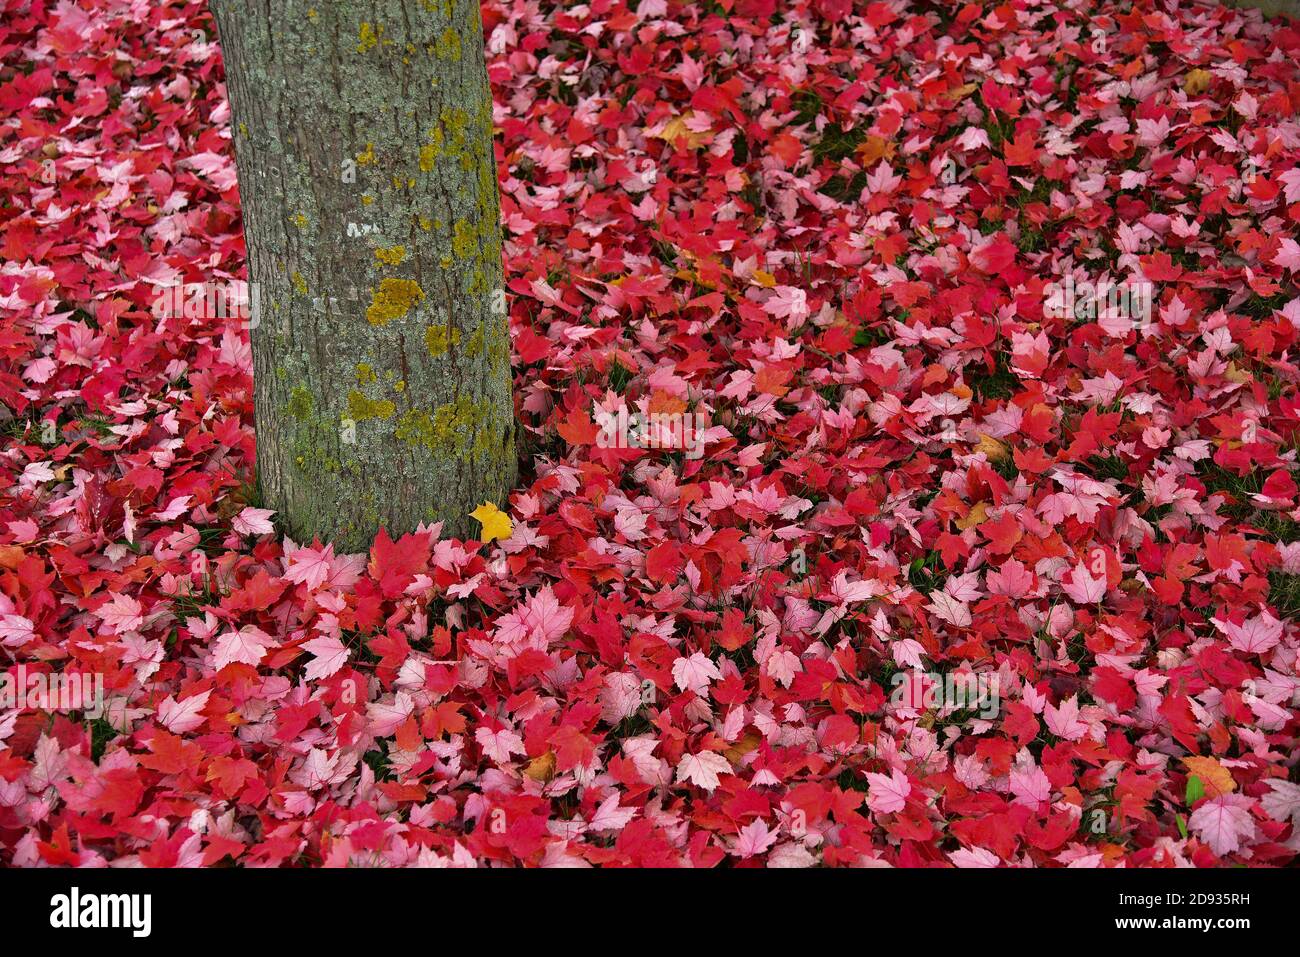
{"x":829,"y":228}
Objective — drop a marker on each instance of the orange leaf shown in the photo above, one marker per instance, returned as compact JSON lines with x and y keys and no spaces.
{"x":771,"y":380}
{"x":1216,"y":778}
{"x":873,"y":149}
{"x":663,"y":402}
{"x":577,"y":428}
{"x":787,"y":148}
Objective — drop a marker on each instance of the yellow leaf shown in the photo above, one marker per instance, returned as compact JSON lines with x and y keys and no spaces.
{"x":764,"y":278}
{"x":1234,"y":374}
{"x":496,"y":523}
{"x":541,"y":769}
{"x":747,"y":743}
{"x":994,"y":450}
{"x":1216,"y":778}
{"x":978,"y":513}
{"x":676,"y":129}
{"x":1197,"y":81}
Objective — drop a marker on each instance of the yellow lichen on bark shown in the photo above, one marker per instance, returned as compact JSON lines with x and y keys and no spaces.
{"x":392,"y":300}
{"x":360,"y":407}
{"x":368,"y":38}
{"x":437,"y":339}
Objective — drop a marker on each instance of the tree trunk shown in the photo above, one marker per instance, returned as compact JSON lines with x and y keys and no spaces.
{"x":1270,"y":8}
{"x":381,"y":349}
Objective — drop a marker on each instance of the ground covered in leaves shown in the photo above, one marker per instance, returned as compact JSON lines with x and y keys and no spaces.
{"x":830,"y":228}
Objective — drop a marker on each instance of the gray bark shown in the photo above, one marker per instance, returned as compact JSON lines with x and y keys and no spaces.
{"x":1271,"y":8}
{"x":363,"y":141}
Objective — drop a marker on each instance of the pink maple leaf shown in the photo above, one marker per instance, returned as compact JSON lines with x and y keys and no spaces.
{"x":1254,"y":636}
{"x":544,"y":618}
{"x":121,"y":613}
{"x":1082,"y":587}
{"x":695,"y":673}
{"x":949,"y":609}
{"x":1064,"y":721}
{"x":610,"y":816}
{"x":887,"y":794}
{"x":181,"y":716}
{"x":1288,"y":255}
{"x":754,"y":839}
{"x":1224,"y":823}
{"x":329,"y":655}
{"x":248,"y":646}
{"x":1012,"y":579}
{"x":702,"y":769}
{"x":15,"y":630}
{"x":499,"y":745}
{"x":787,"y":302}
{"x":310,"y":566}
{"x":1029,"y":785}
{"x":253,"y":521}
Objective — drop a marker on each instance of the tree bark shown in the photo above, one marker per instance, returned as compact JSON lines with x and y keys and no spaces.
{"x":1270,"y":8}
{"x":381,"y":350}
